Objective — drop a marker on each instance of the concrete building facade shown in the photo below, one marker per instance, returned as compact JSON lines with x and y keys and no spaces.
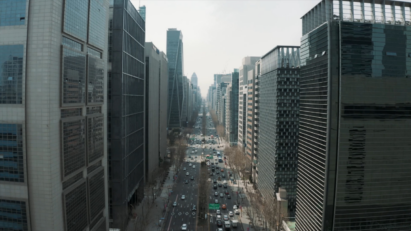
{"x":53,"y":159}
{"x":156,"y":74}
{"x":248,"y":63}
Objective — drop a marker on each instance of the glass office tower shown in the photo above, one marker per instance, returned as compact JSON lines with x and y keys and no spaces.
{"x":278,"y":133}
{"x":355,"y":117}
{"x":175,"y":58}
{"x":126,"y":141}
{"x":53,"y":162}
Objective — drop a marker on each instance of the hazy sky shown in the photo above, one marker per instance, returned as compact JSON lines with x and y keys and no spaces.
{"x":218,"y":34}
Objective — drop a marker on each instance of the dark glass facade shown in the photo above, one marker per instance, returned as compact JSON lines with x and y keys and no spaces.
{"x":355,"y":128}
{"x":278,"y":137}
{"x":12,"y":12}
{"x":175,"y":58}
{"x":11,"y":74}
{"x":233,"y":136}
{"x":11,"y":153}
{"x":126,"y":110}
{"x":13,"y":215}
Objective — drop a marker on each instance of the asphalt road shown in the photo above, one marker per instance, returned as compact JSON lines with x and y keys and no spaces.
{"x":183,"y":213}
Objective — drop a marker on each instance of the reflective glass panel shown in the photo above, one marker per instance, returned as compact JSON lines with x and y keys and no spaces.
{"x":13,"y":215}
{"x":97,"y":23}
{"x":11,"y":153}
{"x":75,"y":18}
{"x":11,"y":74}
{"x":12,"y":12}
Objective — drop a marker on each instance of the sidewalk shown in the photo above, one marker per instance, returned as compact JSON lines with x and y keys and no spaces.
{"x":156,"y":211}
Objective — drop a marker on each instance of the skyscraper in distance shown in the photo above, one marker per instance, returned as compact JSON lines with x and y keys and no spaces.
{"x":354,"y":164}
{"x":175,"y":58}
{"x":194,"y":79}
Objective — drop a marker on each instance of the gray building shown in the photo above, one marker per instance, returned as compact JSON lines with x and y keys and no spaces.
{"x":354,"y":131}
{"x":278,"y":120}
{"x":248,"y":63}
{"x":175,"y":58}
{"x":53,"y":161}
{"x":194,"y":79}
{"x":156,"y":107}
{"x":126,"y":110}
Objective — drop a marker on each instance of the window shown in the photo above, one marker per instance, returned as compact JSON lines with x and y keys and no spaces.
{"x":11,"y":153}
{"x":13,"y":215}
{"x":11,"y":74}
{"x":75,"y":18}
{"x":12,"y":12}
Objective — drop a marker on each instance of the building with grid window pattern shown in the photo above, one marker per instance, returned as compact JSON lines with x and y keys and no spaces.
{"x":127,"y":135}
{"x":53,"y":156}
{"x":355,"y":103}
{"x":278,"y":133}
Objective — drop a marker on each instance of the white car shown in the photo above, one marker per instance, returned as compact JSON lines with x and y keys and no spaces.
{"x":189,"y":164}
{"x":187,"y":173}
{"x":234,"y":207}
{"x":192,"y":152}
{"x":183,"y":197}
{"x":231,"y":214}
{"x":196,"y":150}
{"x":184,"y":227}
{"x":216,"y":201}
{"x":218,"y":218}
{"x":237,"y":212}
{"x":194,"y":166}
{"x":218,"y":212}
{"x":175,"y":204}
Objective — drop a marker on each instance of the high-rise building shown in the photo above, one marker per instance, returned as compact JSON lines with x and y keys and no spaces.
{"x":253,"y":117}
{"x":194,"y":79}
{"x":53,"y":162}
{"x":126,"y":110}
{"x":278,"y":134}
{"x":175,"y":58}
{"x":248,"y":64}
{"x":232,"y":109}
{"x":354,"y":133}
{"x":142,"y":11}
{"x":156,"y":107}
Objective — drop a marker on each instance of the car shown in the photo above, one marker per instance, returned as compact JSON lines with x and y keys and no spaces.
{"x":223,"y":175}
{"x":183,"y":197}
{"x":217,"y":172}
{"x":192,"y":152}
{"x":187,"y":173}
{"x":219,"y":223}
{"x":215,"y":201}
{"x":216,"y":194}
{"x":219,"y":185}
{"x":218,"y":217}
{"x":219,"y":229}
{"x":194,"y":208}
{"x":223,"y":206}
{"x":189,"y":164}
{"x":221,"y":195}
{"x":215,"y":181}
{"x":196,"y":151}
{"x":184,"y":227}
{"x":211,"y":173}
{"x":212,"y":163}
{"x":184,"y":169}
{"x":225,"y":185}
{"x":225,"y":217}
{"x":226,"y":192}
{"x":228,"y":196}
{"x":218,"y":212}
{"x":175,"y":204}
{"x":215,"y":186}
{"x":194,"y":166}
{"x":192,"y":177}
{"x":231,"y":214}
{"x":217,"y":167}
{"x":234,"y":207}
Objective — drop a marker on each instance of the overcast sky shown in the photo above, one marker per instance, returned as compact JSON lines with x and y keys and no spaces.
{"x":218,"y":34}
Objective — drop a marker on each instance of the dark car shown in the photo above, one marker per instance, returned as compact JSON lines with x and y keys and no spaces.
{"x":215,"y":186}
{"x":215,"y":181}
{"x":228,"y":196}
{"x":219,"y":185}
{"x":192,"y":177}
{"x":217,"y":167}
{"x":186,"y":182}
{"x":226,"y":192}
{"x":219,"y":223}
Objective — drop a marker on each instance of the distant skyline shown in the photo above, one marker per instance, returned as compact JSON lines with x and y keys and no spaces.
{"x":218,"y":34}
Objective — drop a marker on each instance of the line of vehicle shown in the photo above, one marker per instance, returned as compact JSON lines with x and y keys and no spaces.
{"x":171,"y":217}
